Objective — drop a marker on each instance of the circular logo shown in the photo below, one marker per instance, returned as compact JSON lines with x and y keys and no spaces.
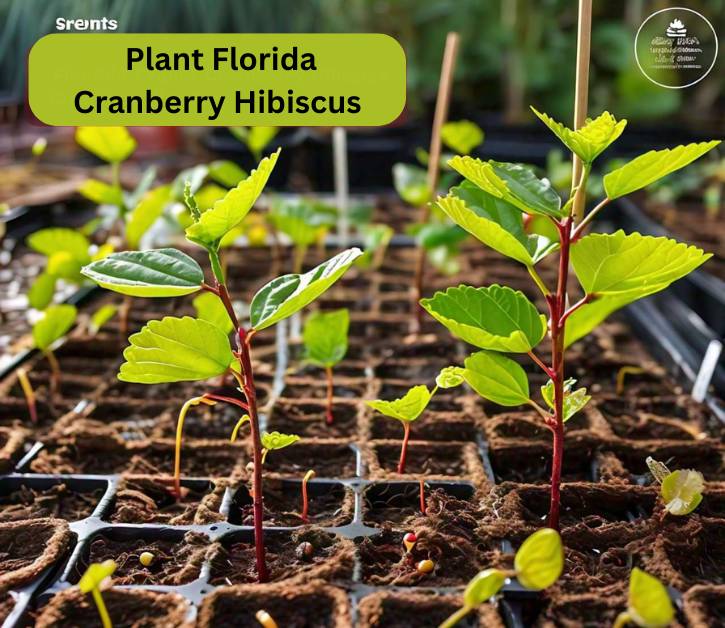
{"x":676,"y":47}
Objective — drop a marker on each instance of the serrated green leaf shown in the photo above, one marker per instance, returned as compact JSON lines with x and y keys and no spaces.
{"x":96,"y":573}
{"x":176,"y":350}
{"x":100,"y":192}
{"x":226,"y":172}
{"x":55,"y":323}
{"x":408,"y":407}
{"x":618,"y":264}
{"x":60,"y":239}
{"x":228,"y":212}
{"x":411,"y":184}
{"x":682,"y":491}
{"x":651,"y":166}
{"x":288,"y":294}
{"x":41,"y":291}
{"x":154,"y":273}
{"x":497,"y":378}
{"x":514,"y":183}
{"x":209,"y":307}
{"x":146,"y":213}
{"x":277,"y":440}
{"x":110,"y":143}
{"x":590,"y":140}
{"x":101,"y":316}
{"x":496,"y":223}
{"x":649,"y":603}
{"x":450,"y":377}
{"x":461,"y":136}
{"x":483,"y":586}
{"x":325,"y":337}
{"x":540,"y":560}
{"x":573,"y":401}
{"x":495,"y":318}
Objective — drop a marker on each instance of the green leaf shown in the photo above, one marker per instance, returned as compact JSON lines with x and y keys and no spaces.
{"x":450,"y":377}
{"x":375,"y":240}
{"x":407,"y":408}
{"x":154,"y":273}
{"x":60,"y":239}
{"x":209,"y":307}
{"x":288,"y":294}
{"x":55,"y":323}
{"x":325,"y":337}
{"x":589,"y":141}
{"x":176,"y":350}
{"x":482,"y":587}
{"x":461,"y":136}
{"x":277,"y":440}
{"x":226,"y":172}
{"x":496,"y":223}
{"x":146,"y":213}
{"x":514,"y":183}
{"x":411,"y":184}
{"x":495,"y":318}
{"x":110,"y":143}
{"x":649,"y":603}
{"x":255,"y":138}
{"x":589,"y":316}
{"x":653,"y":165}
{"x":302,"y":221}
{"x":497,"y":378}
{"x":434,"y":235}
{"x":540,"y":560}
{"x":101,"y":316}
{"x":573,"y":401}
{"x":228,"y":212}
{"x":101,"y":193}
{"x":96,"y":573}
{"x":682,"y":491}
{"x":617,"y":264}
{"x":41,"y":291}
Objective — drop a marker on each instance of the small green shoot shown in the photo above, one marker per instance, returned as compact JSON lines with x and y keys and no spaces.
{"x":272,"y":441}
{"x":305,"y":498}
{"x":95,"y":577}
{"x":100,"y":317}
{"x":681,"y":490}
{"x":648,"y":605}
{"x":54,"y":324}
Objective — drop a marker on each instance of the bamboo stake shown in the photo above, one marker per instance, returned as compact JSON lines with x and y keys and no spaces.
{"x":581,"y":94}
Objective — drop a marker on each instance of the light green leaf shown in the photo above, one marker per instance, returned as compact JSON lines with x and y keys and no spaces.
{"x":255,"y":138}
{"x":101,"y":316}
{"x":682,"y":491}
{"x":146,"y":213}
{"x":450,"y":377}
{"x":495,"y":318}
{"x":95,"y":575}
{"x":497,"y":378}
{"x":288,"y":294}
{"x":228,"y":212}
{"x":411,"y":184}
{"x":514,"y":183}
{"x":461,"y":136}
{"x":209,"y":307}
{"x":60,"y":239}
{"x":110,"y":143}
{"x":56,"y":321}
{"x":483,"y":586}
{"x":63,"y":265}
{"x":375,"y":240}
{"x":589,"y":141}
{"x":209,"y":194}
{"x":540,"y":560}
{"x":573,"y":401}
{"x":226,"y":172}
{"x":302,"y":221}
{"x":101,"y":193}
{"x":176,"y":350}
{"x":649,"y":603}
{"x":589,"y":316}
{"x":41,"y":291}
{"x":277,"y":440}
{"x":653,"y":165}
{"x":154,"y":273}
{"x":617,"y":264}
{"x":496,"y":223}
{"x":407,"y":408}
{"x":325,"y":337}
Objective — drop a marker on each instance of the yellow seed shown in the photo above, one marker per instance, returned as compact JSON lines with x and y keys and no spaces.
{"x":146,"y":558}
{"x":425,"y":566}
{"x":264,"y":618}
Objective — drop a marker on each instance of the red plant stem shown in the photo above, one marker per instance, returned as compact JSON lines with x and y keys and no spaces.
{"x":328,"y":414}
{"x":583,"y":301}
{"x":422,"y":496}
{"x":231,"y":400}
{"x":404,"y":448}
{"x":538,"y":361}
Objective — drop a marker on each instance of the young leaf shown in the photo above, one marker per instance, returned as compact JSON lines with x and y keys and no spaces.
{"x":540,"y":560}
{"x":682,"y":491}
{"x":497,"y":378}
{"x":482,"y":587}
{"x":325,"y":337}
{"x":228,"y":212}
{"x":101,"y":193}
{"x":653,"y":165}
{"x":461,"y":136}
{"x":450,"y":377}
{"x":146,"y":213}
{"x":254,"y":137}
{"x":209,"y":307}
{"x":302,"y":221}
{"x":617,"y":264}
{"x":176,"y":350}
{"x":411,"y":184}
{"x":60,"y":239}
{"x":113,"y":144}
{"x":277,"y":440}
{"x":226,"y":172}
{"x":407,"y":408}
{"x":288,"y":294}
{"x":495,"y":318}
{"x":573,"y":401}
{"x":589,"y":141}
{"x":56,"y":321}
{"x":514,"y":183}
{"x":375,"y":240}
{"x":96,"y":573}
{"x":649,"y":603}
{"x":41,"y":291}
{"x":154,"y":273}
{"x":101,"y":316}
{"x":496,"y":223}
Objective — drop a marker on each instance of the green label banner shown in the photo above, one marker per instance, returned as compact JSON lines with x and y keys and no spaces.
{"x":82,"y":79}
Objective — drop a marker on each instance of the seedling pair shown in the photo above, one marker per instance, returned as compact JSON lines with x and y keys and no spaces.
{"x":681,"y":490}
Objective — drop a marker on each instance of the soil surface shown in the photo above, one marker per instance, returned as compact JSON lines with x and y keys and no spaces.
{"x":57,"y":500}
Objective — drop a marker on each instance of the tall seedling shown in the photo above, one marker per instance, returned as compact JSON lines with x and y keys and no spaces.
{"x":613,"y":270}
{"x":194,"y":349}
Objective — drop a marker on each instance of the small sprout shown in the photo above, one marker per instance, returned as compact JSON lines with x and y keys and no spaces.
{"x":194,"y":401}
{"x":573,"y":401}
{"x":425,"y":566}
{"x":235,"y":432}
{"x":276,"y":440}
{"x":305,"y":551}
{"x":409,"y":540}
{"x":55,"y":323}
{"x":421,"y":493}
{"x":146,"y":558}
{"x":305,"y":499}
{"x":91,"y":582}
{"x":39,"y":147}
{"x":265,"y":619}
{"x":681,"y":490}
{"x":29,"y":394}
{"x":648,"y":605}
{"x":622,"y":373}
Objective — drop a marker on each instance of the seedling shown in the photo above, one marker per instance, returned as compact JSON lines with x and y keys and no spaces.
{"x":193,"y":349}
{"x":54,"y":324}
{"x":648,"y":604}
{"x":681,"y":490}
{"x":28,"y":393}
{"x":375,"y":240}
{"x":325,"y":338}
{"x":95,"y":577}
{"x":613,"y":270}
{"x":537,"y":565}
{"x":255,"y":138}
{"x":272,"y":441}
{"x":305,"y":499}
{"x":622,"y":374}
{"x":100,"y":317}
{"x":265,"y":619}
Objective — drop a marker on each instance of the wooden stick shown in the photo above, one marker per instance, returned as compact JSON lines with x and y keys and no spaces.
{"x":581,"y":95}
{"x":339,"y":150}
